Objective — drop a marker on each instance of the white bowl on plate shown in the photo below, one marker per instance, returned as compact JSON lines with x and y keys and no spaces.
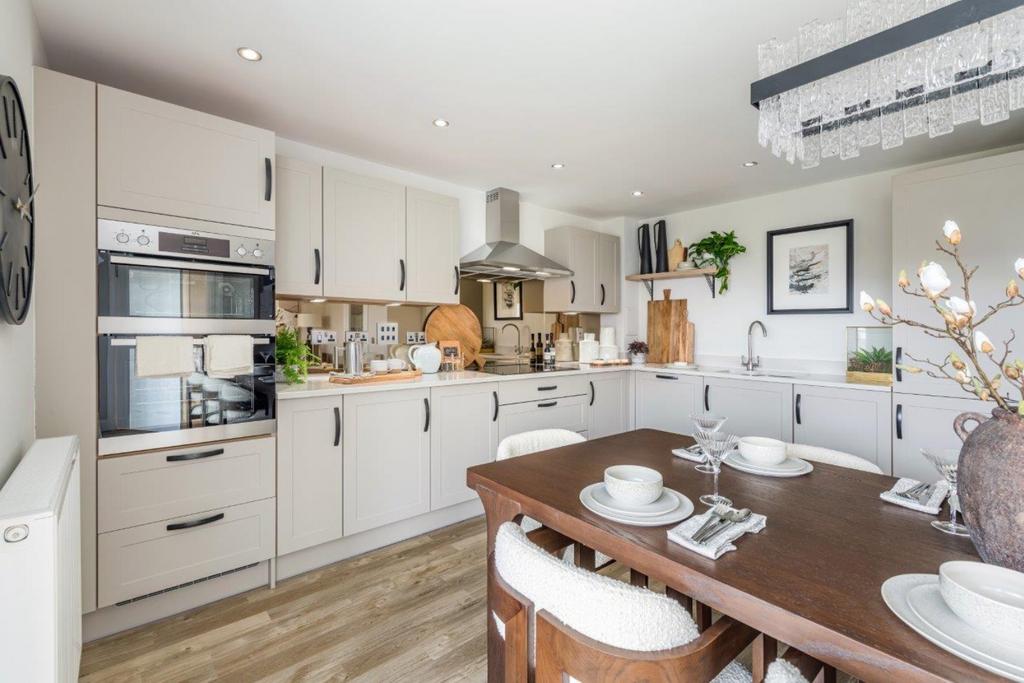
{"x":987,"y":597}
{"x":632,"y":484}
{"x":762,"y":451}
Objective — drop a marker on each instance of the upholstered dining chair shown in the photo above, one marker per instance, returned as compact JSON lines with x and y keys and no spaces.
{"x":553,"y":619}
{"x":830,"y":457}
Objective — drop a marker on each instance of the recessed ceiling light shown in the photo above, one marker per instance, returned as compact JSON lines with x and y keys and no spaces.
{"x":638,"y":193}
{"x":441,"y":123}
{"x":749,"y":164}
{"x":317,"y":301}
{"x":249,"y":54}
{"x":557,"y":166}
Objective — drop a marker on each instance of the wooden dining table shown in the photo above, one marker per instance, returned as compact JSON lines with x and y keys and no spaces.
{"x":812,"y":578}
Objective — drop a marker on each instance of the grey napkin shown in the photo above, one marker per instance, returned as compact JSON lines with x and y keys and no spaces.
{"x":692,"y":453}
{"x":930,"y":506}
{"x":720,"y":544}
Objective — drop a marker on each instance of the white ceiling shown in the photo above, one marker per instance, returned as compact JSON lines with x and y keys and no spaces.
{"x":650,"y":95}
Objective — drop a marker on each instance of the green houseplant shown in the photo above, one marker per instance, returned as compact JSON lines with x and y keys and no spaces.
{"x":293,"y":357}
{"x":716,"y":250}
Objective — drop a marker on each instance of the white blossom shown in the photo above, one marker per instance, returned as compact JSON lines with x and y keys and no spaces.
{"x":867,"y":302}
{"x":934,"y":279}
{"x":982,"y":343}
{"x":952,"y":232}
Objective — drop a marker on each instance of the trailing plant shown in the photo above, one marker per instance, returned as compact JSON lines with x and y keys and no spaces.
{"x":716,"y":250}
{"x":637,"y":346}
{"x":874,"y":359}
{"x":293,"y":357}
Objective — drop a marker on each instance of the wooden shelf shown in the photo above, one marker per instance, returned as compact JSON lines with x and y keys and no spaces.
{"x":672,"y":274}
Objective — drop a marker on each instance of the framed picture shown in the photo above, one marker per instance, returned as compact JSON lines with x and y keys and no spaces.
{"x":508,"y":300}
{"x":810,"y":269}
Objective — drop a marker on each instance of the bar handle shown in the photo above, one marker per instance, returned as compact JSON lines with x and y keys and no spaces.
{"x":572,"y":297}
{"x":198,"y":522}
{"x":899,"y":420}
{"x":269,"y":173}
{"x":195,"y":456}
{"x":899,"y":361}
{"x":549,"y":404}
{"x":457,"y":280}
{"x":707,"y":398}
{"x":401,"y":284}
{"x":798,"y":420}
{"x":316,"y":261}
{"x":602,"y":294}
{"x":593,"y":393}
{"x":666,"y":377}
{"x":426,"y":423}
{"x":495,"y":417}
{"x":337,"y":426}
{"x":550,"y":388}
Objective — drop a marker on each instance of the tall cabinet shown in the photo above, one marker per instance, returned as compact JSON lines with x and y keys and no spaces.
{"x":300,"y":228}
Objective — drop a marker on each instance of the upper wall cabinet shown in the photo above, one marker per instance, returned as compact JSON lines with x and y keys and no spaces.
{"x":300,"y":223}
{"x":161,"y":158}
{"x":594,"y":259}
{"x":432,"y":247}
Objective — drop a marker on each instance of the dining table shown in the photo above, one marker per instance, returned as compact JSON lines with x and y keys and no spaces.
{"x":811,"y":578}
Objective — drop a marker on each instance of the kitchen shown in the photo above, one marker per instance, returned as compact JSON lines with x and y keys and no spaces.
{"x":301,"y":350}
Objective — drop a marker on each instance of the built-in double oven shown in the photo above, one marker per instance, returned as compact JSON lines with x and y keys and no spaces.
{"x":171,"y":282}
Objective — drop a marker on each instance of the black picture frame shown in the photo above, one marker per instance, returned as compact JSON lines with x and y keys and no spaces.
{"x":518,"y":296}
{"x":772,"y":299}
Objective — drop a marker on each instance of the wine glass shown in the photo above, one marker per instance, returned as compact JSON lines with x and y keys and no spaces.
{"x":945,"y":461}
{"x":716,"y":445}
{"x":706,"y":422}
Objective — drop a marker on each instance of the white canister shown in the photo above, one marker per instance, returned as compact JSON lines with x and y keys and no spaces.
{"x":563,"y":350}
{"x":607,"y":336}
{"x":588,"y":350}
{"x":609,"y":352}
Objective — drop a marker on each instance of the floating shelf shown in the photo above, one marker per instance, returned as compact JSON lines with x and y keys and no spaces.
{"x":648,"y":278}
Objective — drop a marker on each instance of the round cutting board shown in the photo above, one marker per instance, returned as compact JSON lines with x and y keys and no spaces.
{"x":457,"y":322}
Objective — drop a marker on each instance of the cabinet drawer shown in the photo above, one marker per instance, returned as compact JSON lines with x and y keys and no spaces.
{"x":144,"y":488}
{"x":555,"y":413}
{"x":518,"y":391}
{"x":144,"y":559}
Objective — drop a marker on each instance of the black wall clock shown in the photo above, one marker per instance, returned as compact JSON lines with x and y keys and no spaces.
{"x":17,"y":216}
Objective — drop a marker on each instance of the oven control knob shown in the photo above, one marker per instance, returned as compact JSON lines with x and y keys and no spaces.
{"x":143,"y":241}
{"x":257,"y":253}
{"x":122,"y":238}
{"x":241,"y":251}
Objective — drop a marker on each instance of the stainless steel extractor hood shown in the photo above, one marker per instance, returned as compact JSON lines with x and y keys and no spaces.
{"x":503,"y":258}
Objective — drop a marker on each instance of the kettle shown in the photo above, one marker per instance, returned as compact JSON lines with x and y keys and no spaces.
{"x":425,"y":357}
{"x":660,"y":247}
{"x":354,"y":357}
{"x":643,"y":238}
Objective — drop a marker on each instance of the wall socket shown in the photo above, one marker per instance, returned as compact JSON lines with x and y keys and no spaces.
{"x":415,"y":337}
{"x":387,"y":333}
{"x":355,"y":336}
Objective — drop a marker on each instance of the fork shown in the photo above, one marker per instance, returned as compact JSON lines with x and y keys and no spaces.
{"x":913,"y":492}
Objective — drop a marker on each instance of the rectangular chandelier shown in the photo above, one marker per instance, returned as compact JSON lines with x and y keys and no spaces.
{"x":892,"y":70}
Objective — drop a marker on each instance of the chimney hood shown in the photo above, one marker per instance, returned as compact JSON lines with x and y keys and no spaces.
{"x":503,"y":258}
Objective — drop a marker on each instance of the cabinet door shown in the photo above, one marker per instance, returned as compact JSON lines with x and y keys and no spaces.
{"x":753,"y":408}
{"x":848,"y":420}
{"x":609,"y":404}
{"x":583,"y":289}
{"x":300,"y":228}
{"x":463,"y":433}
{"x":364,"y":238}
{"x":666,"y":401}
{"x":309,"y":472}
{"x":432,"y":245}
{"x":926,"y":422}
{"x":557,"y":413}
{"x":608,"y":273}
{"x":387,"y":457}
{"x":161,"y":158}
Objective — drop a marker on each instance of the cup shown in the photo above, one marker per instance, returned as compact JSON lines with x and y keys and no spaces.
{"x":378,"y":367}
{"x":396,"y":364}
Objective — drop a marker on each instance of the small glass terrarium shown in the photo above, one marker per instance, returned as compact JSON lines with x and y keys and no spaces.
{"x":869,"y":355}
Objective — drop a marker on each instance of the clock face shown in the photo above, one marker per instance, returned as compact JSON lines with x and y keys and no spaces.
{"x":17,"y":216}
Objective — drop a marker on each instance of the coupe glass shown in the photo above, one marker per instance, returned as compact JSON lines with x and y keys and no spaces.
{"x":945,"y":461}
{"x":716,"y":445}
{"x":706,"y":422}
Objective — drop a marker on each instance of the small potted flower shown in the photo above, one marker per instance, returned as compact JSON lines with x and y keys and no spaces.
{"x":637,"y":352}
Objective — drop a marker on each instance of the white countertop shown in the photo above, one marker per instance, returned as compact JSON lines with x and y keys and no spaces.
{"x":318,"y":385}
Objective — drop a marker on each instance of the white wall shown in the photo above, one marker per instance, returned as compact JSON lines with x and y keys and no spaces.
{"x":20,"y":49}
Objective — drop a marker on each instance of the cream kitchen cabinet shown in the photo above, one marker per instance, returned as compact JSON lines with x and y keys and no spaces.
{"x":849,"y":420}
{"x":609,"y":405}
{"x":432,"y":247}
{"x":666,"y":401}
{"x":386,"y":439}
{"x":463,"y":433}
{"x":921,"y":422}
{"x":753,"y":407}
{"x":300,"y":228}
{"x":594,"y":259}
{"x":608,"y":273}
{"x":566,"y":412}
{"x":160,"y":158}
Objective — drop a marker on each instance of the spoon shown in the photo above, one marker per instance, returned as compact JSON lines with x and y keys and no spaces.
{"x":729,"y":518}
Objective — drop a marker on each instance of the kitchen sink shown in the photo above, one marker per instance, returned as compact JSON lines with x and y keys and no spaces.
{"x":761,"y":373}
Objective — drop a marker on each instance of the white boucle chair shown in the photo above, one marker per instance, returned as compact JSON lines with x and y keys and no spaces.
{"x":559,"y":619}
{"x":830,"y":457}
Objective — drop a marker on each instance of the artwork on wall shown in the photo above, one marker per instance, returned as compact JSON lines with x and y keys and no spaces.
{"x":508,"y":301}
{"x":810,"y":269}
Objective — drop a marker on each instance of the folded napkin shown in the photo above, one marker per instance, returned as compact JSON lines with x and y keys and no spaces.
{"x":228,"y":355}
{"x":720,"y":544}
{"x":164,"y":357}
{"x":695,"y":455}
{"x":930,"y":506}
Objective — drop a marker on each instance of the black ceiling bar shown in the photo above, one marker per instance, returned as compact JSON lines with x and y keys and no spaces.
{"x":944,"y":20}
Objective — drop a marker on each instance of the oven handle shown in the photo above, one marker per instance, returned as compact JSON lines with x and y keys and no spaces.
{"x":195,"y":342}
{"x":178,"y":264}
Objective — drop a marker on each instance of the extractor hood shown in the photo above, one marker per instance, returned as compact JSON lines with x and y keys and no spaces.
{"x":503,"y":258}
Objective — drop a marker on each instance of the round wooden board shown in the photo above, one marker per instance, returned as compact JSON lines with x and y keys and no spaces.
{"x":458,"y":322}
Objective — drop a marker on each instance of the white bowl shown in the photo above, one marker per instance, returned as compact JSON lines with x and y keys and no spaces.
{"x":760,"y":450}
{"x":632,"y":484}
{"x":987,"y":597}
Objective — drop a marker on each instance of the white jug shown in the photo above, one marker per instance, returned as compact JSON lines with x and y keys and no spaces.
{"x":425,"y":357}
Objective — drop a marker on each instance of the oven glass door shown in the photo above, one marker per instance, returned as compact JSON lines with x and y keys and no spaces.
{"x":158,"y":287}
{"x":131,"y":406}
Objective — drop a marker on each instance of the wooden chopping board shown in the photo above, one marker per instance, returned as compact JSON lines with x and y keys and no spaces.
{"x":669,"y":332}
{"x":458,"y":322}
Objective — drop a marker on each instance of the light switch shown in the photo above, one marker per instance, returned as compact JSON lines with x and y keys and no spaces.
{"x":387,"y":333}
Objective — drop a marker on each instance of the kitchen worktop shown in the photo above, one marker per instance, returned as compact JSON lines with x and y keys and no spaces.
{"x":320,"y":386}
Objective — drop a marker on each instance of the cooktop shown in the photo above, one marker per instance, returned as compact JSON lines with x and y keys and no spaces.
{"x":523,"y":368}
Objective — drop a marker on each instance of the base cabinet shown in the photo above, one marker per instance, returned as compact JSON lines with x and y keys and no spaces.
{"x":386,"y":439}
{"x":463,"y":433}
{"x":847,"y":420}
{"x":609,"y":404}
{"x":753,"y":408}
{"x":666,"y":401}
{"x":567,"y":412}
{"x":921,"y":422}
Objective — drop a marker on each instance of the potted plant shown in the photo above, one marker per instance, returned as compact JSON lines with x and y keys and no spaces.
{"x":990,"y":471}
{"x":293,"y":357}
{"x":870,"y":365}
{"x":716,"y":250}
{"x":637,"y":351}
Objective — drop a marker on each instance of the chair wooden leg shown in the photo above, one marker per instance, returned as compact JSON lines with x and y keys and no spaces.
{"x":766,"y":649}
{"x":828,"y":674}
{"x":584,"y":557}
{"x":703,"y":616}
{"x":637,"y":579}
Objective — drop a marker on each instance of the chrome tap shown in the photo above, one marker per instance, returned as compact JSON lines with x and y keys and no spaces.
{"x":749,"y":361}
{"x":519,"y":337}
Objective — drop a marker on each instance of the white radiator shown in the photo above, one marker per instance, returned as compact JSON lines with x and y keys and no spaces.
{"x":40,"y":566}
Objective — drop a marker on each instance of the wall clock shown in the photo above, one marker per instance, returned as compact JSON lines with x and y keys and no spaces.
{"x":17,"y":216}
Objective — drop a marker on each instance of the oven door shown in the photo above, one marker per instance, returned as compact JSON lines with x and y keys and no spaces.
{"x":141,"y":413}
{"x":143,"y":294}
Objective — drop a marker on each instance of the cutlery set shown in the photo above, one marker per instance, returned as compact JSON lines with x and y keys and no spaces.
{"x":919,"y":493}
{"x":722,"y":517}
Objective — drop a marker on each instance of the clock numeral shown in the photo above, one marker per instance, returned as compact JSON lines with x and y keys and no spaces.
{"x":7,"y":118}
{"x":21,"y":143}
{"x":7,"y":283}
{"x":24,"y":283}
{"x":3,"y":240}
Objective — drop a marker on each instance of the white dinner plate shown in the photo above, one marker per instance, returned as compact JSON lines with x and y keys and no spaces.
{"x":916,"y":600}
{"x":790,"y":467}
{"x":682,"y":511}
{"x":665,"y":504}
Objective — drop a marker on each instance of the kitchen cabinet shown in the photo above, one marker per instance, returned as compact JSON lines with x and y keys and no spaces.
{"x":364,"y":238}
{"x":666,"y":401}
{"x":594,"y":259}
{"x":300,"y":224}
{"x":463,"y":433}
{"x":608,"y":273}
{"x":567,"y":412}
{"x":432,"y":245}
{"x":753,"y":407}
{"x":160,"y":158}
{"x":386,"y":441}
{"x":522,"y":390}
{"x":309,"y":472}
{"x":921,"y":422}
{"x":848,"y":420}
{"x":609,"y":404}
